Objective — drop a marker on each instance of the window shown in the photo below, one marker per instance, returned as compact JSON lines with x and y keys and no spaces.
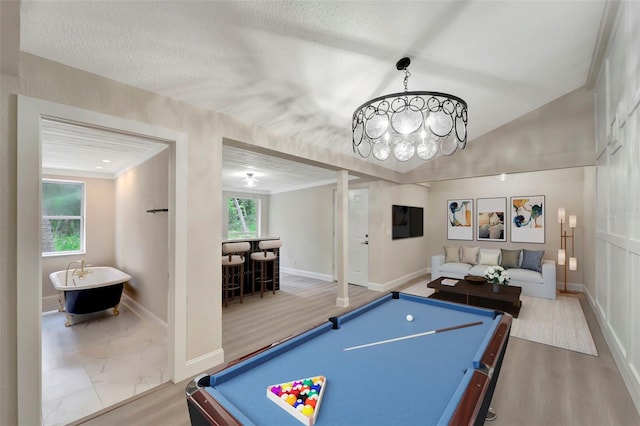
{"x":244,"y":214}
{"x":62,"y":217}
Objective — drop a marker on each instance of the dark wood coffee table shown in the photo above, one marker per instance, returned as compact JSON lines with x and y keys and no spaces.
{"x":479,"y":293}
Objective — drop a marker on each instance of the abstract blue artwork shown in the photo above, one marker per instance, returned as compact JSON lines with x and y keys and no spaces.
{"x":527,"y":219}
{"x":460,"y":219}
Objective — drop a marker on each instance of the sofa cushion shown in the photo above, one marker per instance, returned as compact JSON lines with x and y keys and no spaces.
{"x":488,"y":257}
{"x":451,"y":254}
{"x":510,"y":258}
{"x":479,"y":270}
{"x":470,"y":255}
{"x":532,"y":259}
{"x":525,"y":275}
{"x":455,"y":268}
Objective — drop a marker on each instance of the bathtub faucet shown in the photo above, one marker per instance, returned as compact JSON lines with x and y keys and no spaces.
{"x":78,"y":272}
{"x":81,"y":273}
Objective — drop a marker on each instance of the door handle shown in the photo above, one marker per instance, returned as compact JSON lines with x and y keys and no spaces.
{"x":365,"y":242}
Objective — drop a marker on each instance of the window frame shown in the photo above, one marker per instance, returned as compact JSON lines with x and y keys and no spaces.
{"x":82,"y":216}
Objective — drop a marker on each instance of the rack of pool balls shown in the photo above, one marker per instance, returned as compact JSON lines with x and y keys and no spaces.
{"x":300,"y":398}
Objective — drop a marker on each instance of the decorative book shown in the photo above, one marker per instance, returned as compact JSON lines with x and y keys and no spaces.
{"x":300,"y":398}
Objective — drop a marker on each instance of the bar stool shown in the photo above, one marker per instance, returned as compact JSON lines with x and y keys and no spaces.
{"x":233,"y":266}
{"x":268,"y":254}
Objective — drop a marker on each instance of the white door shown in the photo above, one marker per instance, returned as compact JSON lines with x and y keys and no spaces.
{"x":359,"y":236}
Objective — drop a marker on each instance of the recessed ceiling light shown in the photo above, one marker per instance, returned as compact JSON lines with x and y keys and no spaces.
{"x":502,"y":177}
{"x":98,"y":167}
{"x":106,"y":161}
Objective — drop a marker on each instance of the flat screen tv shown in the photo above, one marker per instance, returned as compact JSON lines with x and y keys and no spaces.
{"x":407,"y":222}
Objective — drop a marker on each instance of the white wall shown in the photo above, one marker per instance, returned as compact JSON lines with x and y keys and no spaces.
{"x":393,"y":261}
{"x":561,"y":188}
{"x":100,"y":231}
{"x":615,"y":293}
{"x":141,"y":238}
{"x":303,"y":220}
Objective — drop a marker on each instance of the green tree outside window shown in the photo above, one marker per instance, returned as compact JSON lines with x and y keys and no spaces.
{"x":243,"y":217}
{"x":62,"y":216}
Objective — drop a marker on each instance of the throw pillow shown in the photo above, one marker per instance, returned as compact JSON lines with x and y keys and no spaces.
{"x":488,"y":257}
{"x":451,"y":254}
{"x":510,"y":258}
{"x":532,"y":259}
{"x":470,"y":255}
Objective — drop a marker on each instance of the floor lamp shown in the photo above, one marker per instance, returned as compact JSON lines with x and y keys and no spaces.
{"x":562,"y":251}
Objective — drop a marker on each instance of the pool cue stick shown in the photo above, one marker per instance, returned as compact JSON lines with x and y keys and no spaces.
{"x":411,"y":336}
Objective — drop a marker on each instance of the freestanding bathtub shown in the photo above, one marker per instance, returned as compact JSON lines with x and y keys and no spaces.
{"x":99,"y":289}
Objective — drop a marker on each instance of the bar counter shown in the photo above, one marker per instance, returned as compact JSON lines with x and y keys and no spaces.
{"x":248,"y":276}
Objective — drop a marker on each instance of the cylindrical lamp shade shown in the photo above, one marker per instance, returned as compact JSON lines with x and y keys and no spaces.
{"x":561,"y":215}
{"x":561,"y":256}
{"x":573,"y":221}
{"x":573,"y":263}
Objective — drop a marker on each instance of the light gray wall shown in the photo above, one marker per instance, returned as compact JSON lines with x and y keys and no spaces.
{"x":560,"y":134}
{"x":8,"y":240}
{"x":141,"y":238}
{"x":561,"y":188}
{"x":303,"y":220}
{"x":391,"y":261}
{"x":100,"y":230}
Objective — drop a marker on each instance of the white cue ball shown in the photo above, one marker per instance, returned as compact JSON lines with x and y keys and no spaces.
{"x":409,"y":317}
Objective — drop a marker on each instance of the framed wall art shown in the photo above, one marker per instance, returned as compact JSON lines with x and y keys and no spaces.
{"x":491,"y":219}
{"x":527,"y":219}
{"x":460,"y":219}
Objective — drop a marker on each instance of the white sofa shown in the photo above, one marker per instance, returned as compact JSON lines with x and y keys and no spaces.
{"x":533,"y":283}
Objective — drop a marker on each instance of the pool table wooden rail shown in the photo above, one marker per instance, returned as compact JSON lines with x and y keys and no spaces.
{"x":483,"y":383}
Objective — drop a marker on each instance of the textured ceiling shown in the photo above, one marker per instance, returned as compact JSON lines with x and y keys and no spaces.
{"x":302,"y":67}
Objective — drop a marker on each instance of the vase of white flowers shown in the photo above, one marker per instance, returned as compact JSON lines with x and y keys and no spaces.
{"x":497,"y":276}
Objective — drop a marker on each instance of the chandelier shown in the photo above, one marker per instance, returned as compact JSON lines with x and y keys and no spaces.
{"x":408,"y":123}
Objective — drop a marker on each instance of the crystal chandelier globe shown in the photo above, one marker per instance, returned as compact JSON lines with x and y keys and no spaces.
{"x":409,"y":123}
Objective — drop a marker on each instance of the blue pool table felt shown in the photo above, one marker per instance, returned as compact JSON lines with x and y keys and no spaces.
{"x":419,"y":379}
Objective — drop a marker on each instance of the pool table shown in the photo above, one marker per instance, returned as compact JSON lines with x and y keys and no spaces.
{"x":442,"y":378}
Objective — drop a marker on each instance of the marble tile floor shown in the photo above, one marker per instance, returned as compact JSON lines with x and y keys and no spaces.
{"x":99,"y":361}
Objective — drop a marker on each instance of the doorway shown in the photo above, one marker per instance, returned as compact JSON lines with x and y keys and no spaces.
{"x":29,"y":260}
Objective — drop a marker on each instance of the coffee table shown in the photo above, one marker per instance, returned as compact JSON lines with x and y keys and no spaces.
{"x":478,"y":293}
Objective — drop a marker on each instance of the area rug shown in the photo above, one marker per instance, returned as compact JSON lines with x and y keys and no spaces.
{"x":560,"y":323}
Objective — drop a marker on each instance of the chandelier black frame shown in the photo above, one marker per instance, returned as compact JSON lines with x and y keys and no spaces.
{"x":410,"y":122}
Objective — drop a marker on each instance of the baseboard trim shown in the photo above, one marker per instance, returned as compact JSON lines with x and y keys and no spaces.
{"x":308,"y":274}
{"x":571,"y":287}
{"x":50,"y":303}
{"x":388,"y":286}
{"x":143,"y":312}
{"x":200,"y":364}
{"x":342,"y":302}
